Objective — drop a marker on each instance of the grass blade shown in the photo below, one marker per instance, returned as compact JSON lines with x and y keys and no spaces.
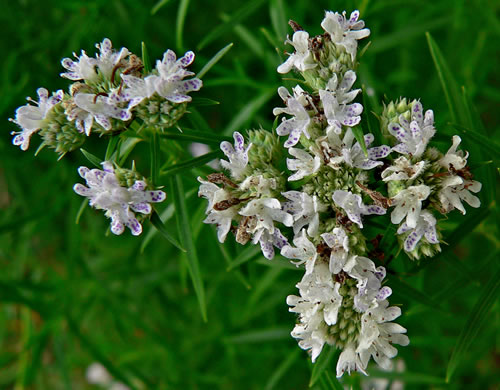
{"x":236,"y":18}
{"x":92,"y":159}
{"x":146,"y":62}
{"x":181,"y":18}
{"x":246,"y":255}
{"x":82,"y":208}
{"x":321,"y":364}
{"x":195,"y":136}
{"x":155,"y":151}
{"x":195,"y":162}
{"x":332,"y":383}
{"x":477,"y":318}
{"x":158,"y":224}
{"x":281,"y":370}
{"x":216,"y":58}
{"x":360,"y":137}
{"x":113,"y":142}
{"x":200,"y":102}
{"x":402,"y":288}
{"x":158,"y":6}
{"x":184,"y":227}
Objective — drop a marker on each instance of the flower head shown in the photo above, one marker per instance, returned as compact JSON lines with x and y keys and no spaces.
{"x":237,"y":155}
{"x":304,"y":164}
{"x":408,"y":204}
{"x":302,"y":59}
{"x":106,"y":193}
{"x":425,"y":226}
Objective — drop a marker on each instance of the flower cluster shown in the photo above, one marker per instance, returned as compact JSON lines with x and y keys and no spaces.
{"x":314,"y":208}
{"x":108,"y":92}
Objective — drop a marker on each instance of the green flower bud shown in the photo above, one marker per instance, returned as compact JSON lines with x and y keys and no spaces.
{"x":158,"y":113}
{"x":391,"y":113}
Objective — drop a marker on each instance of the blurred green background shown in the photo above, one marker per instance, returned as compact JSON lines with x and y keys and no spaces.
{"x":72,"y":294}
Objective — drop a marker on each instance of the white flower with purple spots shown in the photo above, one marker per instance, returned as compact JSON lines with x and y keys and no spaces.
{"x":345,"y":32}
{"x":354,"y":207}
{"x":455,"y":189}
{"x":304,"y":164}
{"x":339,"y":114}
{"x":426,"y":226}
{"x":353,"y":155}
{"x":403,"y":169}
{"x":408,"y":203}
{"x":31,"y":118}
{"x":266,"y":211}
{"x":83,"y":69}
{"x":105,"y":193}
{"x":268,"y":241}
{"x":414,"y":135}
{"x":304,"y":251}
{"x":237,"y":155}
{"x":454,"y":160}
{"x":338,"y":242}
{"x":305,"y":210}
{"x":108,"y":59}
{"x":296,"y":106}
{"x":302,"y":59}
{"x":378,"y":335}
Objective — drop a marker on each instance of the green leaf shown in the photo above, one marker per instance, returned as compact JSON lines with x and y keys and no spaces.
{"x":179,"y":30}
{"x":154,"y":152}
{"x":360,"y":137}
{"x":477,"y":318}
{"x":113,"y":142}
{"x":216,"y":58}
{"x":245,"y":255}
{"x":333,"y":383}
{"x":200,"y":102}
{"x":322,"y":363}
{"x":203,"y":137}
{"x":259,"y":336}
{"x":158,"y":224}
{"x":92,"y":159}
{"x":184,"y":227}
{"x":407,"y":377}
{"x":126,"y":147}
{"x":240,"y":15}
{"x":82,"y":208}
{"x":195,"y":162}
{"x":404,"y":289}
{"x":146,"y":62}
{"x":278,"y":19}
{"x":158,"y":6}
{"x":281,"y":370}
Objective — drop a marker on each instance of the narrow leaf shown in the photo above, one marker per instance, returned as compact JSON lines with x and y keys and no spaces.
{"x":244,"y":12}
{"x":322,"y":363}
{"x":402,"y":288}
{"x":259,"y":336}
{"x":282,"y":369}
{"x":216,"y":58}
{"x":113,"y":142}
{"x":195,"y":136}
{"x":184,"y":227}
{"x":200,"y":102}
{"x":154,"y":152}
{"x":126,"y":148}
{"x":158,"y":224}
{"x":477,"y":318}
{"x":489,"y":144}
{"x":181,"y":17}
{"x":92,"y":159}
{"x":195,"y":162}
{"x":333,"y":383}
{"x":360,"y":137}
{"x":146,"y":62}
{"x":79,"y":214}
{"x":158,"y":6}
{"x":245,"y":255}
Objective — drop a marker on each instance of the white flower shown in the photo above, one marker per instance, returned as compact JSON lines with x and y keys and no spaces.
{"x":90,"y":107}
{"x":349,"y":361}
{"x":454,"y":160}
{"x":455,"y":189}
{"x":304,"y":164}
{"x":222,"y":219}
{"x":268,"y":241}
{"x":137,"y":89}
{"x":109,"y":59}
{"x":97,"y":374}
{"x":402,"y":169}
{"x":31,"y":118}
{"x":354,"y":207}
{"x":295,"y":106}
{"x":317,"y":306}
{"x":338,"y":242}
{"x":266,"y":211}
{"x":378,"y":334}
{"x":83,"y":69}
{"x":302,"y":59}
{"x":415,"y":135}
{"x":354,"y":155}
{"x":408,"y":204}
{"x":305,"y":210}
{"x":304,"y":251}
{"x":105,"y":193}
{"x":345,"y":32}
{"x":426,"y":226}
{"x":263,"y":186}
{"x":237,"y":155}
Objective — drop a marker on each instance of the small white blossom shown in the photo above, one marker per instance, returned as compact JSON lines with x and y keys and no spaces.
{"x":300,"y":121}
{"x":353,"y":155}
{"x":378,"y":334}
{"x":83,"y":69}
{"x":415,"y":135}
{"x":403,"y":169}
{"x":338,"y":242}
{"x":426,"y":226}
{"x":97,"y":374}
{"x":105,"y":193}
{"x":305,"y":210}
{"x":354,"y":206}
{"x":237,"y":155}
{"x":345,"y":32}
{"x":263,"y":186}
{"x":454,"y":160}
{"x":349,"y":361}
{"x":268,"y":241}
{"x":302,"y":59}
{"x":408,"y":204}
{"x":317,"y":306}
{"x":31,"y":118}
{"x":266,"y":211}
{"x":222,"y":219}
{"x":304,"y":251}
{"x":455,"y":189}
{"x":304,"y":164}
{"x":109,"y":59}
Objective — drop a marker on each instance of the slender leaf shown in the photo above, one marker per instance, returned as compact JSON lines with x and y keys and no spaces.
{"x":477,"y":318}
{"x":216,"y":58}
{"x":179,"y":30}
{"x":259,"y":336}
{"x":487,"y":143}
{"x":360,"y":137}
{"x":195,"y":162}
{"x":278,"y":19}
{"x":92,"y":159}
{"x":158,"y":224}
{"x":126,"y":147}
{"x":245,"y":255}
{"x":240,"y":15}
{"x":82,"y":208}
{"x":160,"y":4}
{"x":333,"y":383}
{"x":322,"y":363}
{"x":113,"y":142}
{"x":200,"y":102}
{"x":184,"y":227}
{"x":154,"y":155}
{"x":407,"y":377}
{"x":282,"y":369}
{"x":195,"y":136}
{"x":402,"y":288}
{"x":146,"y":62}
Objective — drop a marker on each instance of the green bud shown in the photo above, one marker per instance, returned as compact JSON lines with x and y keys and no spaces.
{"x":391,"y":113}
{"x":265,"y":149}
{"x":158,"y":113}
{"x":127,"y":177}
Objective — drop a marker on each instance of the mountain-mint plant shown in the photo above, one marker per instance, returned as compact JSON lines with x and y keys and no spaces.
{"x":313,"y":208}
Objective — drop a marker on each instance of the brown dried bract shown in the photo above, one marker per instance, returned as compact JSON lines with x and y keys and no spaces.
{"x":220,"y":178}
